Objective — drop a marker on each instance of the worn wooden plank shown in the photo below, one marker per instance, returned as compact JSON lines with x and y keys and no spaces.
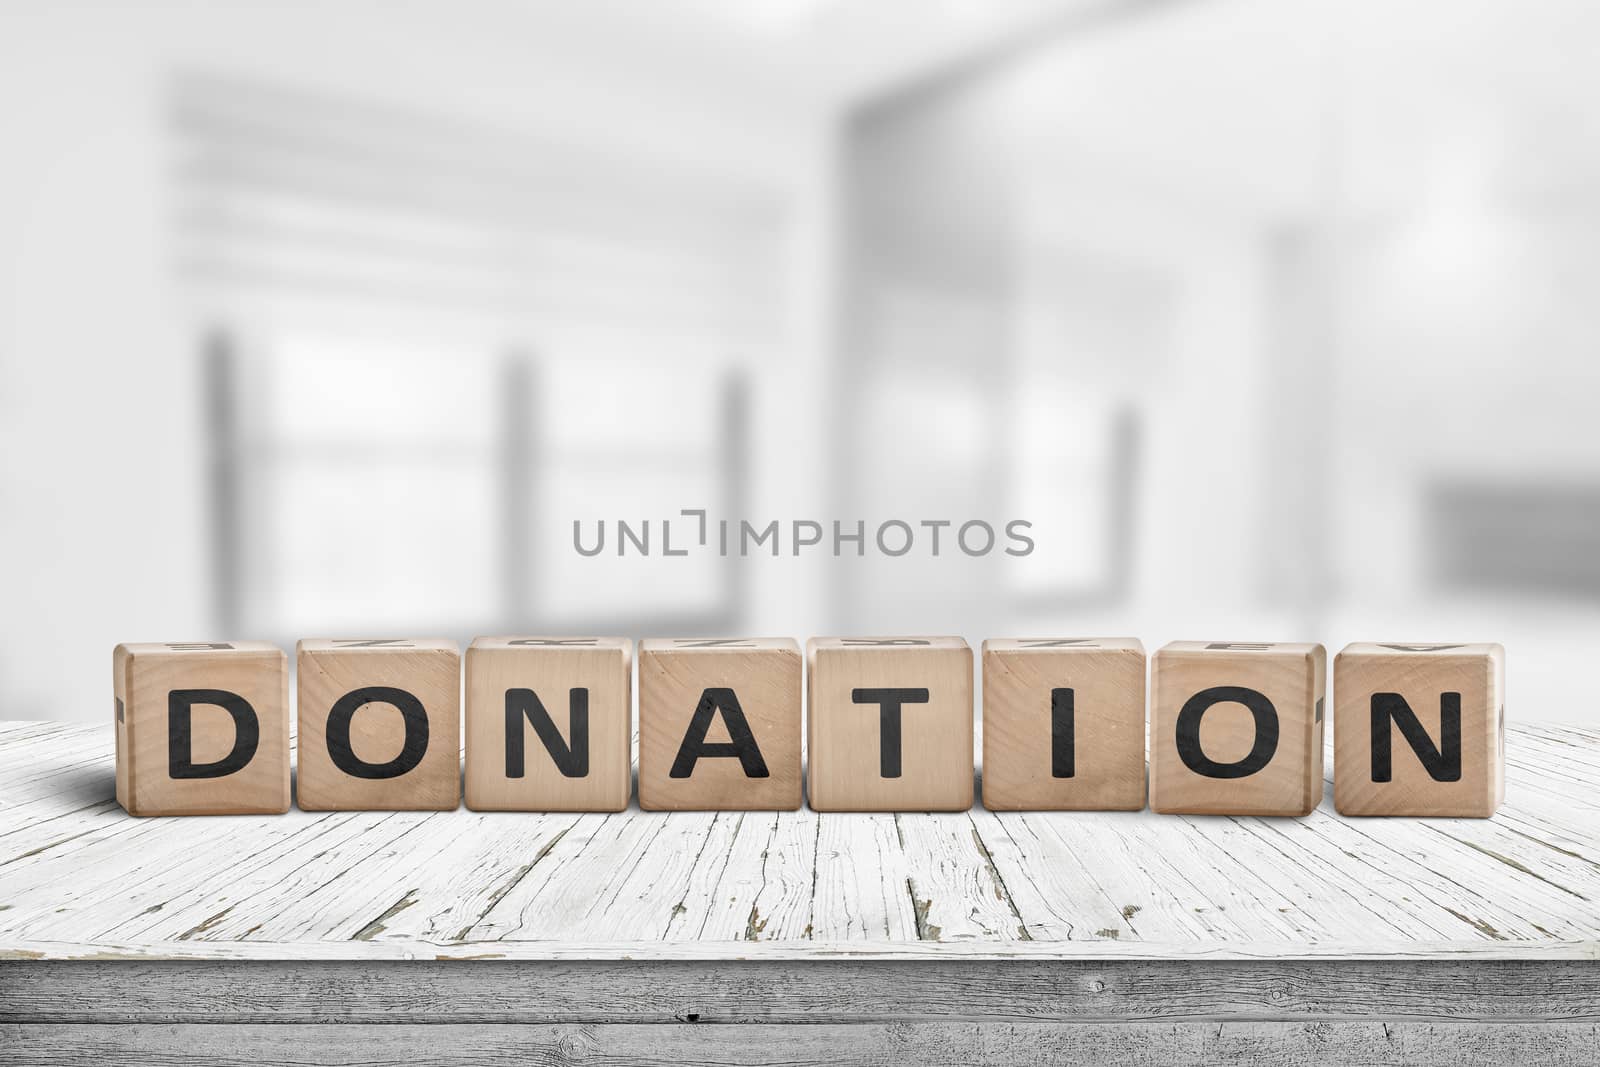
{"x":759,"y":991}
{"x":954,"y":887}
{"x":784,"y":902}
{"x":954,"y":1044}
{"x":862,"y":883}
{"x":453,"y":895}
{"x":860,"y":949}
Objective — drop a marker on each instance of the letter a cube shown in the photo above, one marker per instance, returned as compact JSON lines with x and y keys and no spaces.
{"x":1419,"y":729}
{"x":202,"y":728}
{"x":719,"y":724}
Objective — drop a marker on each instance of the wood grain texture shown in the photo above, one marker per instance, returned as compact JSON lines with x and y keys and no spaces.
{"x":750,"y":689}
{"x":550,"y":668}
{"x":146,"y":675}
{"x":425,"y":670}
{"x":1104,"y":707}
{"x":776,"y":991}
{"x":1274,"y":1044}
{"x":1213,"y":754}
{"x":1416,"y":680}
{"x":854,"y":763}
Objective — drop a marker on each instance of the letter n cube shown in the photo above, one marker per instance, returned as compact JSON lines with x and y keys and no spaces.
{"x":549,"y":723}
{"x":1419,"y":729}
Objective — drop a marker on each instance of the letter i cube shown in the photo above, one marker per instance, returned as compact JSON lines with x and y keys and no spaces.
{"x":1063,"y":724}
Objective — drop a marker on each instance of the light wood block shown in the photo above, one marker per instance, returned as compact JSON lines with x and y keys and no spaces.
{"x":202,"y":728}
{"x":380,"y":724}
{"x":1236,"y":728}
{"x":719,"y":724}
{"x":890,"y":725}
{"x":1419,"y":729}
{"x":549,"y":723}
{"x":1063,"y":724}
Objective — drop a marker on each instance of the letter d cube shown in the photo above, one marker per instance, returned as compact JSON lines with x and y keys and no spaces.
{"x":202,"y":728}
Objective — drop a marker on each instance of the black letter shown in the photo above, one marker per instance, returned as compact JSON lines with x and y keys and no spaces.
{"x":889,"y":701}
{"x":572,"y":762}
{"x":1443,"y":764}
{"x":180,"y":751}
{"x":1261,"y":753}
{"x":743,"y":743}
{"x":1063,"y":747}
{"x":338,"y":732}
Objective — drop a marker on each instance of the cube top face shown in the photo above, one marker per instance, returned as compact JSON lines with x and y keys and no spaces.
{"x":549,"y":724}
{"x":202,"y":728}
{"x":817,"y":644}
{"x":1263,"y":649}
{"x":1419,"y":729}
{"x":380,"y":724}
{"x":556,"y":644}
{"x":719,"y":724}
{"x":1064,"y":724}
{"x":1048,"y":645}
{"x":1237,"y":730}
{"x":375,"y":645}
{"x":1425,"y":650}
{"x":890,"y":727}
{"x":729,"y":645}
{"x":196,"y":648}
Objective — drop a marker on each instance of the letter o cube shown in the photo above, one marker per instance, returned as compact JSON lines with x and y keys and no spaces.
{"x":1236,"y":728}
{"x":380,"y":724}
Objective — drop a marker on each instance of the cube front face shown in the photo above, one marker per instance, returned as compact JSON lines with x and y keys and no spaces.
{"x":202,"y":728}
{"x":719,"y":724}
{"x":1419,"y":729}
{"x":890,"y":725}
{"x":380,"y":724}
{"x":1063,"y":724}
{"x":549,"y":723}
{"x":1236,"y":728}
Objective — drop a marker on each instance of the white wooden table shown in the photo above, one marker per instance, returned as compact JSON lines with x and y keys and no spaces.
{"x":461,"y":937}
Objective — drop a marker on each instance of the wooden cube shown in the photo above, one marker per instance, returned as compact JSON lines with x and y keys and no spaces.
{"x":380,"y":724}
{"x":719,"y":724}
{"x":1419,"y":729}
{"x":549,"y":723}
{"x":202,"y":728}
{"x":1063,"y":724}
{"x":1236,"y":728}
{"x":890,"y":724}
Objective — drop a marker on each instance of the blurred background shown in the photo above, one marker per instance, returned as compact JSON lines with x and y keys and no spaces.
{"x":1277,"y":319}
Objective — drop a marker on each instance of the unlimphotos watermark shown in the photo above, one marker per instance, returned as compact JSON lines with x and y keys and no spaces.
{"x":693,"y":532}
